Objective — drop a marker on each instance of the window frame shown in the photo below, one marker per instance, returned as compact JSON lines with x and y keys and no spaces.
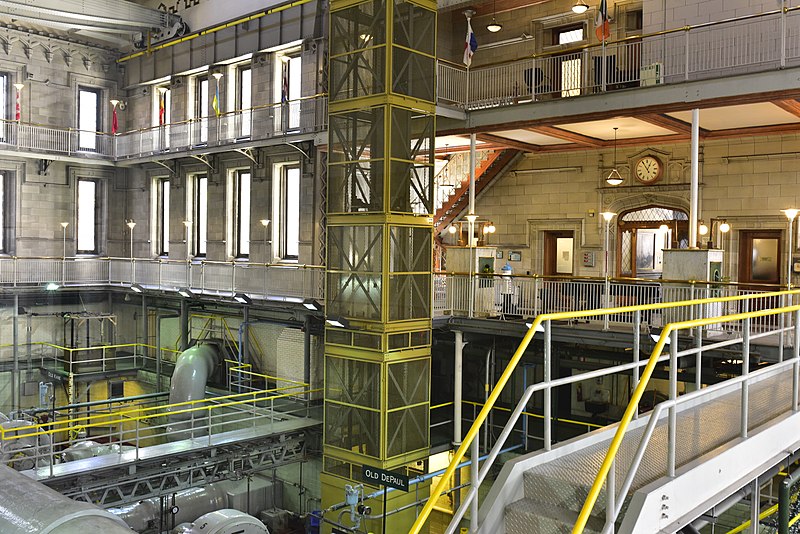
{"x":201,"y":105}
{"x":96,"y":217}
{"x":83,"y":133}
{"x":161,"y":211}
{"x":199,"y":210}
{"x":6,"y":106}
{"x":241,"y":229}
{"x":7,"y":211}
{"x":281,"y":211}
{"x":245,"y":129}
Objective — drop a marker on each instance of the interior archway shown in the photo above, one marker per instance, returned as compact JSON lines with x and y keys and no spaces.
{"x":643,"y":234}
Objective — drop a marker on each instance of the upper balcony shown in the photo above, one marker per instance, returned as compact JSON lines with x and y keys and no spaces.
{"x":767,"y":42}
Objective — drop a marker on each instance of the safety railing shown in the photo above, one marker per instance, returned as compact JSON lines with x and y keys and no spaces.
{"x":530,"y":295}
{"x":78,"y":361}
{"x":543,"y":323}
{"x":259,"y":280}
{"x":616,"y":499}
{"x":767,"y":41}
{"x":143,"y":426}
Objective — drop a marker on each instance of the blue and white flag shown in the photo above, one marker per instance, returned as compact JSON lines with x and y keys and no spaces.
{"x":470,"y":45}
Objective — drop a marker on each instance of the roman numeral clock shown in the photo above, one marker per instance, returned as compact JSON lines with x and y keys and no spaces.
{"x":648,"y":169}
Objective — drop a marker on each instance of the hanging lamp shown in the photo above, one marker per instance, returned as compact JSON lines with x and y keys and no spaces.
{"x":494,"y":26}
{"x":614,"y":177}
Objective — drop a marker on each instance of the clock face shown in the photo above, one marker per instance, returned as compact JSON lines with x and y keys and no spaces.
{"x":648,"y":169}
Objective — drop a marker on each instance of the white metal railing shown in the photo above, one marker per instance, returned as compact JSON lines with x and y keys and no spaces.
{"x":757,"y":42}
{"x":528,"y":296}
{"x":272,"y":281}
{"x":302,"y":116}
{"x":642,"y":367}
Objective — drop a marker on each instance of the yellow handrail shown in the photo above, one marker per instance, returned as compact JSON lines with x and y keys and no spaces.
{"x":517,"y":356}
{"x":633,"y":405}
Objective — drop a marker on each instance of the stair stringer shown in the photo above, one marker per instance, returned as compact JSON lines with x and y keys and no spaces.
{"x":706,"y":481}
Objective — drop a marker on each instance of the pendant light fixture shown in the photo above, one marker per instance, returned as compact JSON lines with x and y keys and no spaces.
{"x":580,"y":7}
{"x":614,"y":177}
{"x":493,"y":26}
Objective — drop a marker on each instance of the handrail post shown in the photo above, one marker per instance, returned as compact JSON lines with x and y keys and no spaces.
{"x":474,"y":472}
{"x":537,"y":290}
{"x":745,"y":371}
{"x":796,"y":363}
{"x":637,"y":326}
{"x":698,"y":357}
{"x":548,"y":431}
{"x":611,"y":488}
{"x":673,"y":410}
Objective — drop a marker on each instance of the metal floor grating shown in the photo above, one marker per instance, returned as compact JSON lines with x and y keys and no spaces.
{"x":564,"y":482}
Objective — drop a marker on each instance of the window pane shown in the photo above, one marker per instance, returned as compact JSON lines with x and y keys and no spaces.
{"x":245,"y":99}
{"x":2,"y":212}
{"x":165,"y":216}
{"x":243,"y":219}
{"x":3,"y":106}
{"x":87,"y":198}
{"x":292,"y":223}
{"x":295,"y":75}
{"x":201,"y":224}
{"x":201,"y":110}
{"x":88,"y":101}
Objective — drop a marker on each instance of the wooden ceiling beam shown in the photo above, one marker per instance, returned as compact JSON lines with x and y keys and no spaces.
{"x":669,"y":123}
{"x":566,"y":135}
{"x":508,"y":143}
{"x":792,"y":106}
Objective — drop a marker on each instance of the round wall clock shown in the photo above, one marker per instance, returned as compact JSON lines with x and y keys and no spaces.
{"x":648,"y":169}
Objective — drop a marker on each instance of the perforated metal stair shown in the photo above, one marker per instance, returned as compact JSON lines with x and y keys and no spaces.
{"x":556,"y":483}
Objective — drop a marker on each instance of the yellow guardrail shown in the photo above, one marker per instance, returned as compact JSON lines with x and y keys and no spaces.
{"x":633,"y":405}
{"x":458,"y":456}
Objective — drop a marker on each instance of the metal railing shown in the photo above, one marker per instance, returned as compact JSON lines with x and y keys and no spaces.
{"x":670,"y":336}
{"x":530,"y":295}
{"x":260,"y":280}
{"x":543,"y":323}
{"x":765,"y":41}
{"x":296,"y":117}
{"x":144,"y":425}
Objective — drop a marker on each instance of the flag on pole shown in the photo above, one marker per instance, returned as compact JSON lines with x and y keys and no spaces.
{"x":114,"y":124}
{"x":601,"y":23}
{"x":470,"y":45}
{"x":215,"y":101}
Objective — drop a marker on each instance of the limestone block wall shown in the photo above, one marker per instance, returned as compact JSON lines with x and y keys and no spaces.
{"x":747,"y":181}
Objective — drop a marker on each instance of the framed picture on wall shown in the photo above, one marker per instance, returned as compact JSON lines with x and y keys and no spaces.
{"x":498,"y":255}
{"x":515,"y":255}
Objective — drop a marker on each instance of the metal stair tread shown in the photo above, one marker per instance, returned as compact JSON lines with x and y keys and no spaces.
{"x":549,"y":519}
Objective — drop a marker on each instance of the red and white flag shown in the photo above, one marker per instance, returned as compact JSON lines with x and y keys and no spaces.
{"x":114,"y":124}
{"x":19,"y":108}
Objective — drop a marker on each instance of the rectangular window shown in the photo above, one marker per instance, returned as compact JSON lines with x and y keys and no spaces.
{"x":201,"y":104}
{"x":87,"y":217}
{"x":162,"y":116}
{"x":3,"y":213}
{"x":88,"y":118}
{"x":162,"y":216}
{"x":241,"y":213}
{"x":200,"y":215}
{"x":288,"y":77}
{"x":245,"y":94}
{"x":5,"y":83}
{"x":287,"y":230}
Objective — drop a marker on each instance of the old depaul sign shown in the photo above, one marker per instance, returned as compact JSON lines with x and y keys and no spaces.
{"x":387,"y":478}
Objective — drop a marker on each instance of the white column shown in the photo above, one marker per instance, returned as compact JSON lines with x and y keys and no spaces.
{"x":457,"y":389}
{"x":695,"y":156}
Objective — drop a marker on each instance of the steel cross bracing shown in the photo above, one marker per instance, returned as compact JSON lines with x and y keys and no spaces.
{"x":124,"y":484}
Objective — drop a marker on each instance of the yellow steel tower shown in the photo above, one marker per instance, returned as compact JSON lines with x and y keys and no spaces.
{"x":379,"y":246}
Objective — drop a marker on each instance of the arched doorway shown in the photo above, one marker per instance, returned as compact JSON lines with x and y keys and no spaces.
{"x":643,"y":235}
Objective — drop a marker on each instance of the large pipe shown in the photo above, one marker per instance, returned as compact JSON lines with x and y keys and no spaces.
{"x":27,"y":507}
{"x":191,"y":504}
{"x":189,"y":379}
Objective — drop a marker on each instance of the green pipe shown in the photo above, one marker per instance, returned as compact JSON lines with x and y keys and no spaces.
{"x":785,"y":501}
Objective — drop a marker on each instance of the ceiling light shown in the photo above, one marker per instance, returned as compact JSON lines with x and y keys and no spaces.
{"x":264,"y":222}
{"x":493,"y":26}
{"x":338,"y":322}
{"x":791,"y":213}
{"x":656,"y":337}
{"x":451,"y":229}
{"x":241,"y":298}
{"x":136,"y":288}
{"x":608,"y":215}
{"x":186,"y":293}
{"x":312,"y":304}
{"x":724,"y":227}
{"x":614,"y":177}
{"x":52,"y":286}
{"x":580,"y":7}
{"x":702,"y":229}
{"x":539,"y":327}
